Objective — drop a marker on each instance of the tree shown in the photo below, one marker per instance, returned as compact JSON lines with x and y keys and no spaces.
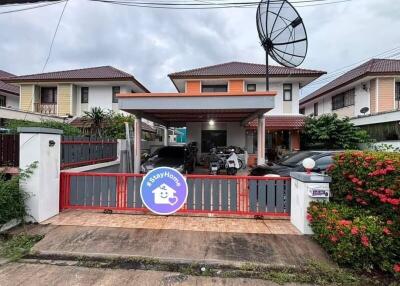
{"x":330,"y":132}
{"x":116,"y":127}
{"x":97,"y":118}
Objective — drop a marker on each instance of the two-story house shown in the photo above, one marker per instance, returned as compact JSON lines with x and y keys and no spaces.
{"x":369,"y":94}
{"x":9,"y":93}
{"x":72,"y":92}
{"x":227,"y":104}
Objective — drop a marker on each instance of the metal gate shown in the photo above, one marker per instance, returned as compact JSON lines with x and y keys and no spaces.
{"x":236,"y":195}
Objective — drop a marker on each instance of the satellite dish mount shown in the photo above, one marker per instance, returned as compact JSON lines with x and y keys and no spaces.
{"x":282,"y":34}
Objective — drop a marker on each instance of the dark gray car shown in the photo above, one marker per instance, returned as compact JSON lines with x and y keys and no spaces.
{"x":293,"y":163}
{"x":178,"y":157}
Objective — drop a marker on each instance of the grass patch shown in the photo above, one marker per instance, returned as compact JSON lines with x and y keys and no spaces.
{"x":18,"y":246}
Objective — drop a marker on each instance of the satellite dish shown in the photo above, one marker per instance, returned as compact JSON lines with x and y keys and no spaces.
{"x":364,"y":110}
{"x":282,"y":33}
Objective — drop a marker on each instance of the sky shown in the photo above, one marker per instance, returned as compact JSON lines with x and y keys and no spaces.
{"x":151,"y":43}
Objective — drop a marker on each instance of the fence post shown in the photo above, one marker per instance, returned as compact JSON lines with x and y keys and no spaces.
{"x":41,"y":145}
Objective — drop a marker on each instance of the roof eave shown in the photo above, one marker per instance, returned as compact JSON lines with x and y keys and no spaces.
{"x":347,"y":83}
{"x":173,"y":76}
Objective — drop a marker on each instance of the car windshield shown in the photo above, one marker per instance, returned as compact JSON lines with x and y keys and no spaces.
{"x":297,"y":158}
{"x":171,"y":152}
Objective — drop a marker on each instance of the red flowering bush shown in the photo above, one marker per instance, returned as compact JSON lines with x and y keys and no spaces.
{"x":356,"y":239}
{"x":368,"y":179}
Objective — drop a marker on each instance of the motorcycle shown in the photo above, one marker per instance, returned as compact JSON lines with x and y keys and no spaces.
{"x":214,"y":162}
{"x":232,"y":164}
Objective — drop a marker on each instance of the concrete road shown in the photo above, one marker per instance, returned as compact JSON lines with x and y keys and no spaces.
{"x":181,"y":246}
{"x":21,"y":274}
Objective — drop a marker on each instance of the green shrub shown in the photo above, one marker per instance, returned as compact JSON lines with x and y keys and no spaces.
{"x":68,"y":130}
{"x":368,"y":179}
{"x":355,"y":238}
{"x":12,"y":196}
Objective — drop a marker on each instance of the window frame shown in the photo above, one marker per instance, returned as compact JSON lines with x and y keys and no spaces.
{"x":302,"y":110}
{"x":114,"y":93}
{"x":315,"y":111}
{"x":287,"y":87}
{"x":397,"y":95}
{"x":252,"y":85}
{"x":86,"y":95}
{"x":214,"y":87}
{"x":53,"y":95}
{"x":343,"y":99}
{"x":3,"y":101}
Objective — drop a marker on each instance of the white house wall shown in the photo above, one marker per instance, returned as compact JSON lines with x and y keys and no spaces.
{"x":12,"y":101}
{"x":235,"y":133}
{"x":361,"y":99}
{"x":278,"y":87}
{"x":99,"y":96}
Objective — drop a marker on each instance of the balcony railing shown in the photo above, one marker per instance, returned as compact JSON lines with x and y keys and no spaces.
{"x":46,"y":108}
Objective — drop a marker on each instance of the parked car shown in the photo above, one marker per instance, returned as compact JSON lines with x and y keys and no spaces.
{"x":293,"y":163}
{"x":180,"y":158}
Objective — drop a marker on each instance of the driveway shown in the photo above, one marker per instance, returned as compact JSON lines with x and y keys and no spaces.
{"x":179,"y":239}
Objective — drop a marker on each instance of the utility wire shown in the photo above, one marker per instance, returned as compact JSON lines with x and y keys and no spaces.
{"x":54,"y":35}
{"x":31,"y":7}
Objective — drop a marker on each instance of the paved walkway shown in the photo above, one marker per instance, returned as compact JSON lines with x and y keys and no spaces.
{"x":35,"y":274}
{"x":208,"y":224}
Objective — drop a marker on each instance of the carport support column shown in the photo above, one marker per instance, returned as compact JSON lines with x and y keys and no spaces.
{"x":165,"y":137}
{"x":137,"y":146}
{"x":261,"y":140}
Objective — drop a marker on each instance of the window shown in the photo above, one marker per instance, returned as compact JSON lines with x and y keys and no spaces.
{"x":343,"y":99}
{"x":251,"y":87}
{"x":115,"y":91}
{"x":2,"y":100}
{"x":302,"y":110}
{"x":212,"y":139}
{"x":287,"y":92}
{"x":316,"y":109}
{"x":214,"y":88}
{"x":48,"y":95}
{"x":323,"y":163}
{"x":84,"y":95}
{"x":397,"y":95}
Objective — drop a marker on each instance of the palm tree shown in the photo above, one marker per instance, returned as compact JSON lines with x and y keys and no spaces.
{"x":98,"y":118}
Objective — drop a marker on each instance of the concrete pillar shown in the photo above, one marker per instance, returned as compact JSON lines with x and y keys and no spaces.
{"x":261,"y":140}
{"x":41,"y":145}
{"x":165,"y":136}
{"x":306,"y":188}
{"x":295,"y":140}
{"x":137,"y":145}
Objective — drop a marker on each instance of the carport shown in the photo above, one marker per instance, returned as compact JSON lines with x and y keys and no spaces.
{"x":182,"y":109}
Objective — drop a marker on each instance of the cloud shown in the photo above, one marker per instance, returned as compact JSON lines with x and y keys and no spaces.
{"x":151,"y":43}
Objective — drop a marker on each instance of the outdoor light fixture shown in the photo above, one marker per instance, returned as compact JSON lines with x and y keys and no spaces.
{"x":52,"y":143}
{"x":211,"y":122}
{"x":308,"y":164}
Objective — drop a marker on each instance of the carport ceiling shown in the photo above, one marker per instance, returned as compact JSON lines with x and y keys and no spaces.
{"x":180,"y":116}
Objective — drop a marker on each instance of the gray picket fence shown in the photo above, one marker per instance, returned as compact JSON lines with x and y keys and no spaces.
{"x":79,"y":151}
{"x":240,"y":195}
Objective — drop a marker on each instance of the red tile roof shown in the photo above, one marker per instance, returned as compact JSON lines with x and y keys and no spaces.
{"x":244,"y":69}
{"x":369,"y":68}
{"x":103,"y":73}
{"x":6,"y":87}
{"x":281,"y":122}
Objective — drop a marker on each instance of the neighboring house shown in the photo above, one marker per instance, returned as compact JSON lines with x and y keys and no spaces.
{"x":369,"y":94}
{"x":224,"y":105}
{"x":9,"y":93}
{"x":70,"y":93}
{"x":283,"y":122}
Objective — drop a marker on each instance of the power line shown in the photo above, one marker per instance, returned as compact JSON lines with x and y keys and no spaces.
{"x":208,"y":5}
{"x":54,"y":35}
{"x":31,"y":7}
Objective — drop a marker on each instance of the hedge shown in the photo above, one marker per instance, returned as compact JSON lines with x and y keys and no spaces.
{"x":368,"y":179}
{"x":360,"y":227}
{"x":355,"y":238}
